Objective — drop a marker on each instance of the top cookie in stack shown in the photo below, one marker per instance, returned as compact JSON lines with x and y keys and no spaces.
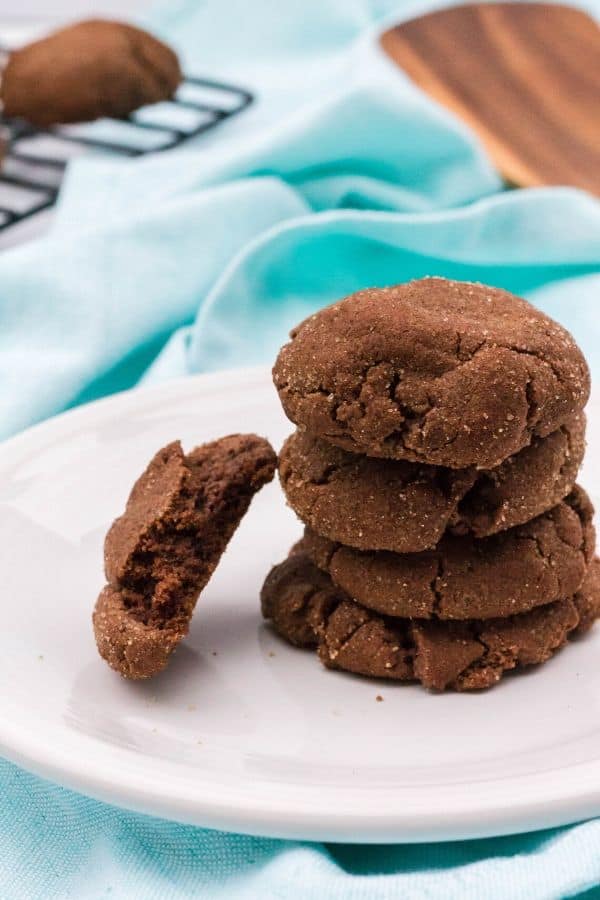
{"x":440,"y":428}
{"x":434,"y":371}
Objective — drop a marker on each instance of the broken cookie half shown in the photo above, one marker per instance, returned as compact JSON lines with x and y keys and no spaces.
{"x":161,"y":553}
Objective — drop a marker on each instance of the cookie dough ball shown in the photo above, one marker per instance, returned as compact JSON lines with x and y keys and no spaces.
{"x":382,"y":504}
{"x":87,"y":71}
{"x":161,"y":553}
{"x":434,"y":371}
{"x":465,"y":578}
{"x":310,"y":611}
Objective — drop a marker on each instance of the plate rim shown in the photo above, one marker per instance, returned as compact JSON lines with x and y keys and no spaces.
{"x":401,"y":814}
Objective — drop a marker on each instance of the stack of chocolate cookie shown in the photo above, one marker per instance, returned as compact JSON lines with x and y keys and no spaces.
{"x":440,"y":433}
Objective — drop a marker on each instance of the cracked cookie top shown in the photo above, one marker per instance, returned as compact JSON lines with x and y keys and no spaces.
{"x":159,"y":555}
{"x":465,"y":578}
{"x":385,"y":504}
{"x":309,"y":610}
{"x":434,"y":371}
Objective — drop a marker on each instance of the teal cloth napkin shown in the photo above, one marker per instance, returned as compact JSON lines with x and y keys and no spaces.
{"x":341,"y":175}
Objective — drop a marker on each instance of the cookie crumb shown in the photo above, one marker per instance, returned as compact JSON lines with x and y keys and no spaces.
{"x":271,"y":654}
{"x":379,"y":698}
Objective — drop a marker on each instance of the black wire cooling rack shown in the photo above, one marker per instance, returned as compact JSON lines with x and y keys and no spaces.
{"x":35,"y":158}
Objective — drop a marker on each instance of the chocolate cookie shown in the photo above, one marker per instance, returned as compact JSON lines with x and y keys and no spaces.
{"x":435,"y":371}
{"x":524,"y":485}
{"x":374,"y":504}
{"x":465,"y":578}
{"x":308,"y":610}
{"x":86,"y":71}
{"x":382,"y":504}
{"x":159,"y":555}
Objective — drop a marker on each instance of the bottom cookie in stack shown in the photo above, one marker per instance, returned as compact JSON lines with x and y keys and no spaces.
{"x":309,"y":610}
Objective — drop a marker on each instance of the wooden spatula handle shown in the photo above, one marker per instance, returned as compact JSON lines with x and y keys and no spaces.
{"x":524,"y":76}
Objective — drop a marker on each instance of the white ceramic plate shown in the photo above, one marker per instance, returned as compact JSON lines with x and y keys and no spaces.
{"x":243,"y":732}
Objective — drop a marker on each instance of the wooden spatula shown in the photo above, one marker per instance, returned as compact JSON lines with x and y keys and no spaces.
{"x":524,"y":76}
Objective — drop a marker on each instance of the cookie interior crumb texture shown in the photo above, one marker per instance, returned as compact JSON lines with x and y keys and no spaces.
{"x":162,"y":551}
{"x":435,"y":371}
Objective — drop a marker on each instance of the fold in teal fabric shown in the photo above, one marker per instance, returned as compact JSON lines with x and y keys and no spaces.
{"x":341,"y":175}
{"x":54,"y":843}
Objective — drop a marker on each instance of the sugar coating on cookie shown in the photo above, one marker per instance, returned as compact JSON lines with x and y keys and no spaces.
{"x":467,"y":578}
{"x":381,"y":504}
{"x":307,"y":609}
{"x":160,"y":554}
{"x":435,"y":371}
{"x":532,"y":481}
{"x":369,"y":503}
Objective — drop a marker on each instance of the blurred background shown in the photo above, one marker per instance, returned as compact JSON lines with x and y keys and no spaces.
{"x":20,"y":20}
